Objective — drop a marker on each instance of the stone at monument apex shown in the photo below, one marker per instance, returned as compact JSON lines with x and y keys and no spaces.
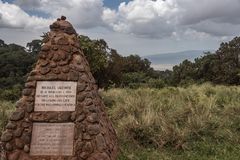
{"x":60,"y":115}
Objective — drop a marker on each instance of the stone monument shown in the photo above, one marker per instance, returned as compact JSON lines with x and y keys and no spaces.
{"x":60,"y":115}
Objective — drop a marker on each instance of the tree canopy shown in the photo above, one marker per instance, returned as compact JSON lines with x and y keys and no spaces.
{"x":111,"y":69}
{"x":107,"y":65}
{"x":15,"y":63}
{"x":221,"y":67}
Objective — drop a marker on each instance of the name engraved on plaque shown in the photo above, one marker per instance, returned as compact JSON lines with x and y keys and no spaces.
{"x":52,"y":139}
{"x":55,"y":96}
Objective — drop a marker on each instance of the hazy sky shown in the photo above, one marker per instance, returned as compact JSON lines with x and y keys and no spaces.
{"x":141,"y":27}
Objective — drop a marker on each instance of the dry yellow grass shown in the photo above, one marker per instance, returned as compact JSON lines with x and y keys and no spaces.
{"x":176,"y":116}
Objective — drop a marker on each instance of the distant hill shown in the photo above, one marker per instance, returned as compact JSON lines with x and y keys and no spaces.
{"x":168,"y":60}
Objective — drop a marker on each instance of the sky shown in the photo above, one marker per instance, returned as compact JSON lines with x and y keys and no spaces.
{"x":142,"y":27}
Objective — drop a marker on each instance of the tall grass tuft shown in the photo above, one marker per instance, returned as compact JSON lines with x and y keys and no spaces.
{"x":176,"y":117}
{"x":6,"y":108}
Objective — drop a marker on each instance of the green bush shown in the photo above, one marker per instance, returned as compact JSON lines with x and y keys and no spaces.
{"x":11,"y":94}
{"x":134,"y":80}
{"x":156,"y":83}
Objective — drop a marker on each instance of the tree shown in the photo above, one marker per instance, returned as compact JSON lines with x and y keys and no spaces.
{"x":109,"y":67}
{"x":185,"y":71}
{"x":96,"y":52}
{"x":2,"y":43}
{"x":134,"y":63}
{"x":221,"y":67}
{"x":15,"y":63}
{"x":229,"y":54}
{"x":115,"y":68}
{"x":34,"y":46}
{"x":208,"y":68}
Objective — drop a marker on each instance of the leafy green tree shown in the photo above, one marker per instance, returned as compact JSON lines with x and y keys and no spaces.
{"x":110,"y":68}
{"x":134,"y":79}
{"x":221,"y":67}
{"x":156,"y":83}
{"x":229,"y":54}
{"x":115,"y":68}
{"x":2,"y":43}
{"x":208,"y":68}
{"x":183,"y":71}
{"x":34,"y":46}
{"x":96,"y":52}
{"x":134,"y":63}
{"x":15,"y":63}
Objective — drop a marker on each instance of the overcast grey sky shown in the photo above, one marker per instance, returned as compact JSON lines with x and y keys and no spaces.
{"x":141,"y":27}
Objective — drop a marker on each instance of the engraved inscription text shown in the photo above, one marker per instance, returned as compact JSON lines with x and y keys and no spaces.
{"x":52,"y":139}
{"x":55,"y":96}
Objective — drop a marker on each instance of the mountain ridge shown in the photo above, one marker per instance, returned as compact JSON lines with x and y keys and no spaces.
{"x":168,"y":60}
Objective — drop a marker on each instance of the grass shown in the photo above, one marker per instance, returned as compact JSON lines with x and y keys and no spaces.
{"x":193,"y":123}
{"x":6,"y":108}
{"x":199,"y":151}
{"x":197,"y":122}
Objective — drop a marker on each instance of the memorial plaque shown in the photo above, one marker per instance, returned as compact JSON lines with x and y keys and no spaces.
{"x":55,"y":96}
{"x":52,"y":139}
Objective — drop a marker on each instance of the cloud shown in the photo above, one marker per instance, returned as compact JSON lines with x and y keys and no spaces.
{"x":193,"y":12}
{"x":82,"y":13}
{"x":157,"y":19}
{"x":143,"y":18}
{"x":28,"y":4}
{"x":217,"y":29}
{"x":213,"y":17}
{"x":12,"y":16}
{"x":165,"y":18}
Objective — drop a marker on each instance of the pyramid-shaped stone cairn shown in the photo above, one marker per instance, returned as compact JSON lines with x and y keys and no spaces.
{"x":60,"y":115}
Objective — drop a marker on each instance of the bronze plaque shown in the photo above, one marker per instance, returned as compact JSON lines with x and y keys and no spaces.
{"x":55,"y":96}
{"x":52,"y":139}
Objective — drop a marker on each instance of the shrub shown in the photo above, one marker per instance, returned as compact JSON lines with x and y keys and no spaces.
{"x":156,"y":83}
{"x":134,"y":79}
{"x":11,"y":94}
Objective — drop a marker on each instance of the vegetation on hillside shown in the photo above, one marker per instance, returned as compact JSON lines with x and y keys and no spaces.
{"x":193,"y":123}
{"x":110,"y":69}
{"x":15,"y":63}
{"x":221,"y":67}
